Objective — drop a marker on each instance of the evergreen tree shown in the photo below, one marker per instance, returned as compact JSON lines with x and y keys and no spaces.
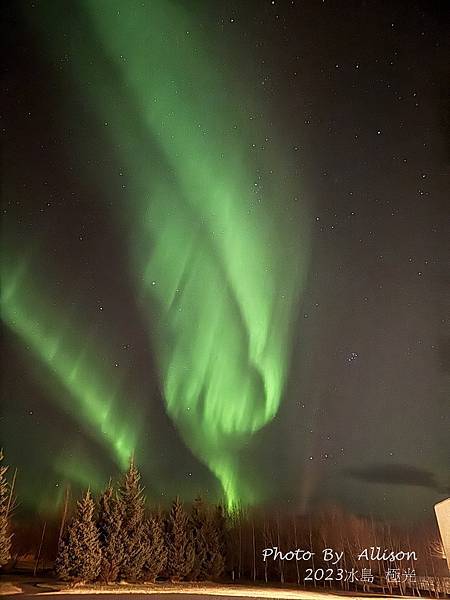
{"x":197,"y":524}
{"x":180,"y":558}
{"x":157,"y":557}
{"x":223,"y":535}
{"x":214,"y":533}
{"x":134,"y":534}
{"x":110,"y":518}
{"x":5,"y":536}
{"x":79,"y":555}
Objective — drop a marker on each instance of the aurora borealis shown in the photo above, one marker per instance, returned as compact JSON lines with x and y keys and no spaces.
{"x":171,"y":286}
{"x":211,"y":258}
{"x":71,"y":357}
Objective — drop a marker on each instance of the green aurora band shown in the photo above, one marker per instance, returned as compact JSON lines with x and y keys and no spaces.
{"x":218,"y":250}
{"x":72,"y":358}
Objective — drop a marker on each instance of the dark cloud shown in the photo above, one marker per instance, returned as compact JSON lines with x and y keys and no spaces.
{"x":395,"y":475}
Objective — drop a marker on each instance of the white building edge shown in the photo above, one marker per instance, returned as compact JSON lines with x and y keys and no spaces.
{"x":442,"y":510}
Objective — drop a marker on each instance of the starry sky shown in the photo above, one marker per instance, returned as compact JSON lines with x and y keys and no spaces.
{"x":224,"y":250}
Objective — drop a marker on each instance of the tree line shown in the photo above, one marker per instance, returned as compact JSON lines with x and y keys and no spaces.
{"x":116,"y":540}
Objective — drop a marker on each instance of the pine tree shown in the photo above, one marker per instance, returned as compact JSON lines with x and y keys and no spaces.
{"x":79,"y":555}
{"x":180,"y":558}
{"x":197,"y":524}
{"x":157,"y":557}
{"x":134,"y":534}
{"x":5,"y":536}
{"x":214,"y":534}
{"x":109,"y":522}
{"x":220,"y":520}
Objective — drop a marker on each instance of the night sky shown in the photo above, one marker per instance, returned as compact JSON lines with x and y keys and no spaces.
{"x":225,"y":251}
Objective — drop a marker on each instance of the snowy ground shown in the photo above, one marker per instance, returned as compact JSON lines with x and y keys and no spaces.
{"x":28,"y":587}
{"x":301,"y":595}
{"x":8,"y":589}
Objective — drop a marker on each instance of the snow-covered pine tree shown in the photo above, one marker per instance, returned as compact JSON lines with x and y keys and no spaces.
{"x":79,"y":555}
{"x":109,"y":523}
{"x":197,"y":524}
{"x":180,"y":546}
{"x":5,"y":536}
{"x":157,"y":557}
{"x":134,"y":534}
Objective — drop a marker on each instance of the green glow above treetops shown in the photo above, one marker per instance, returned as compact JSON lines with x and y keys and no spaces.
{"x":218,"y":250}
{"x":68,"y":355}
